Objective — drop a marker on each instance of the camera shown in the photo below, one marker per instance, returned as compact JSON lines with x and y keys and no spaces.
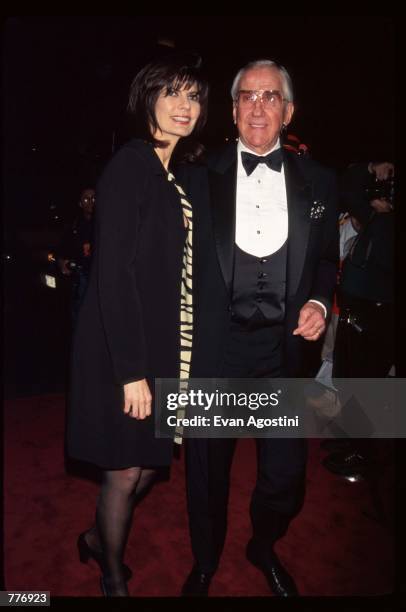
{"x":381,"y":190}
{"x":73,"y":266}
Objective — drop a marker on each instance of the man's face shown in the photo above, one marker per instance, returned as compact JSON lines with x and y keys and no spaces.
{"x":258,"y":123}
{"x":87,"y":200}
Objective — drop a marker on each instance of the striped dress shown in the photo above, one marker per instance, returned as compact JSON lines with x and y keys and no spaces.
{"x":186,"y":304}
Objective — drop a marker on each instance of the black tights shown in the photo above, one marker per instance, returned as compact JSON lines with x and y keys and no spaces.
{"x":119,"y":493}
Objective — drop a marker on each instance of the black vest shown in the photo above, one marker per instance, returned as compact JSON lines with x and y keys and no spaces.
{"x":259,"y":286}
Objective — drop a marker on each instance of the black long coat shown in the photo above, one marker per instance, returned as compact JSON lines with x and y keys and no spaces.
{"x":311,"y":260}
{"x":128,"y":326}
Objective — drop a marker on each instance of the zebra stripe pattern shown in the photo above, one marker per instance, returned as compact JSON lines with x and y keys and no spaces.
{"x":186,"y":304}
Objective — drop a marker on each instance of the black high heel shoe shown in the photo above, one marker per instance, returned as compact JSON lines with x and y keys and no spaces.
{"x":86,"y":553}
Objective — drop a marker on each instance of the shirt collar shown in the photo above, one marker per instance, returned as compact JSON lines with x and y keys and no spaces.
{"x":241,"y":147}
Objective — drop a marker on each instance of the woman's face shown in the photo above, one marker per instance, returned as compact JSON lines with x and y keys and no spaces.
{"x":176,"y":112}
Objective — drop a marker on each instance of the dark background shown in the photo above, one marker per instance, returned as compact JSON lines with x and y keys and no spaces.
{"x":66,"y":81}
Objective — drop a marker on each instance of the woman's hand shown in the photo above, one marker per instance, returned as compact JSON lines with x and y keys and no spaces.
{"x":137,"y":399}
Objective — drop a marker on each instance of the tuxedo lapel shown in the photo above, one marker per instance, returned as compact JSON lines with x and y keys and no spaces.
{"x":222,"y":182}
{"x":298,"y":192}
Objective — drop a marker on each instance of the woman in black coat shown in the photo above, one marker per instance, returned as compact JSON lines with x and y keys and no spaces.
{"x":128,"y":331}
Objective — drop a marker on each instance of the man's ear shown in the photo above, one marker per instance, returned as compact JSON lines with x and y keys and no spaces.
{"x":288,"y":113}
{"x":234,"y":114}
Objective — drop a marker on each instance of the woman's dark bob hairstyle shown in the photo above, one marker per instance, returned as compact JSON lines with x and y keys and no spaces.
{"x":170,"y":72}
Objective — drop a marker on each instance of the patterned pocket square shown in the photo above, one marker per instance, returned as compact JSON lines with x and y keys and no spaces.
{"x":317,"y":209}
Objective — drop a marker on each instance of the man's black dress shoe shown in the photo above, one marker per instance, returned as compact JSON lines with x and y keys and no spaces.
{"x":346,"y":463}
{"x":280,"y":582}
{"x":86,"y":553}
{"x":197,"y":584}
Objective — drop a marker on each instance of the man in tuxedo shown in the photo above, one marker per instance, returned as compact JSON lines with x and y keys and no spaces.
{"x":265,"y":261}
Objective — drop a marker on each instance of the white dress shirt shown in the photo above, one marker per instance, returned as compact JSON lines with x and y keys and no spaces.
{"x":261,"y":209}
{"x":261,"y":212}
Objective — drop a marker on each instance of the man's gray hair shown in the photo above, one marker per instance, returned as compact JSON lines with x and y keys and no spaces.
{"x":286,"y":80}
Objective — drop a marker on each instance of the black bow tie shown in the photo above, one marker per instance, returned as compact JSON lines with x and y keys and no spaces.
{"x":272,"y":160}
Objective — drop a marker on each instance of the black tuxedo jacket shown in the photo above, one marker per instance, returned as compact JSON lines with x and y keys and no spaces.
{"x":311,"y":261}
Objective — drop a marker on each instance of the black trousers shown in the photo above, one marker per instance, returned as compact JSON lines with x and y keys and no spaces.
{"x":364,"y":348}
{"x":281,"y":462}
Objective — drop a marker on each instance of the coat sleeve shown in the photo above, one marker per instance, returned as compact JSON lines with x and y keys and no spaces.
{"x":120,"y":193}
{"x":325,"y":279}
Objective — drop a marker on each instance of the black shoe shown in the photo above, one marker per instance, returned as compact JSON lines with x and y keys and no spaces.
{"x":197,"y":584}
{"x":346,"y":463}
{"x":86,"y":553}
{"x":280,"y":582}
{"x":333,"y":445}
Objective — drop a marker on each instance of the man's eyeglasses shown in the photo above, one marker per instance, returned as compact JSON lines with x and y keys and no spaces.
{"x":269,"y":99}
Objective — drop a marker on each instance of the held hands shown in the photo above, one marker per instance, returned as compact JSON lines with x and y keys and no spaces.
{"x":311,"y":322}
{"x":137,"y":399}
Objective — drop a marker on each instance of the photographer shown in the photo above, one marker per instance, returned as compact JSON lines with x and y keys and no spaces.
{"x":364,"y":346}
{"x":74,"y":253}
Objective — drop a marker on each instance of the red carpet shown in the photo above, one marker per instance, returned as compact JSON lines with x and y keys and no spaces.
{"x":333,"y":547}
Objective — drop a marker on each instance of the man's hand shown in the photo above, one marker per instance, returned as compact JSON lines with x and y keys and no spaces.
{"x":137,"y":399}
{"x":86,"y":249}
{"x":63,"y":266}
{"x":382,"y":170}
{"x":311,"y":322}
{"x":381,"y":206}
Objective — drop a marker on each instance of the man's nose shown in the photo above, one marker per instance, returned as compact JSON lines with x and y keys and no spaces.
{"x":257,"y":108}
